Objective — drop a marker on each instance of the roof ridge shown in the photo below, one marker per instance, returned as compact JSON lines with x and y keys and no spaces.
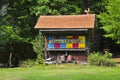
{"x":66,"y":15}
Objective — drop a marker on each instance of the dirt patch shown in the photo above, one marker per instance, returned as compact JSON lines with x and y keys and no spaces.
{"x":117,"y":60}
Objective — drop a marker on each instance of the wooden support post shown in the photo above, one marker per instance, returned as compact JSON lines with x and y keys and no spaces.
{"x":45,"y":51}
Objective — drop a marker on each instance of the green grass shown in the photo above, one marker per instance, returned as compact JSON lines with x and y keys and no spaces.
{"x":61,"y":72}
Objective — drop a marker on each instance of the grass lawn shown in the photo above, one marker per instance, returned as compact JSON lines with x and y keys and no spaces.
{"x":61,"y":72}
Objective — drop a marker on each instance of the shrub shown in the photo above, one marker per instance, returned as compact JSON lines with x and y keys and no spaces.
{"x":99,"y":59}
{"x":27,"y":63}
{"x":38,"y":46}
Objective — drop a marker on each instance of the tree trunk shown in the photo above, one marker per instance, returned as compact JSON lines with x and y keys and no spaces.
{"x":10,"y":60}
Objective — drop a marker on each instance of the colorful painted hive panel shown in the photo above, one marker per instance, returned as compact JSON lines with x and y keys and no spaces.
{"x":75,"y":45}
{"x":63,"y":45}
{"x":51,"y":45}
{"x":66,"y":42}
{"x":56,"y":45}
{"x":69,"y":45}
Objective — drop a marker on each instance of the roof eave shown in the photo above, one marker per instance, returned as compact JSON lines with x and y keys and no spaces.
{"x":45,"y":30}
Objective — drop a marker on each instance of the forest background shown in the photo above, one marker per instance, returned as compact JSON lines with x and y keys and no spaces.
{"x":18,"y":18}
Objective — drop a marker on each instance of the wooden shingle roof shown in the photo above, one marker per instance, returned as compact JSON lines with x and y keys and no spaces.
{"x":85,"y":21}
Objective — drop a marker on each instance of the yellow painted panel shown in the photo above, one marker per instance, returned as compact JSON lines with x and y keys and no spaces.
{"x":81,"y":37}
{"x":69,"y":37}
{"x":81,"y":46}
{"x":69,"y":46}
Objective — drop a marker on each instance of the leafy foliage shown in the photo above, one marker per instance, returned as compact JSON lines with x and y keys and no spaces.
{"x":16,"y":29}
{"x":101,"y":60}
{"x":8,"y":37}
{"x":10,"y":41}
{"x":38,"y":46}
{"x":27,"y":63}
{"x":18,"y":18}
{"x":57,"y":7}
{"x":98,"y":6}
{"x":111,"y":20}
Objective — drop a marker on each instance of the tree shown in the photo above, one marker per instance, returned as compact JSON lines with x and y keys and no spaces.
{"x":16,"y":28}
{"x":7,"y":38}
{"x":14,"y":48}
{"x":111,"y":20}
{"x":57,"y":7}
{"x":19,"y":17}
{"x":98,"y":6}
{"x":38,"y":46}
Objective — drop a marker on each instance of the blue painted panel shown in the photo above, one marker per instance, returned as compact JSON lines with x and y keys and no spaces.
{"x":63,"y":45}
{"x":51,"y":45}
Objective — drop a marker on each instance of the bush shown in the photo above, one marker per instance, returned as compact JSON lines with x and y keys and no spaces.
{"x":38,"y":46}
{"x":30,"y":63}
{"x":27,"y":63}
{"x":101,"y":60}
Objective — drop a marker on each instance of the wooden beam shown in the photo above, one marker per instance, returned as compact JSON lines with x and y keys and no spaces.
{"x":66,"y":49}
{"x":63,"y":30}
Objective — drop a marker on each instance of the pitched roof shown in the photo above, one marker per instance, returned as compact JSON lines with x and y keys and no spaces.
{"x":85,"y":21}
